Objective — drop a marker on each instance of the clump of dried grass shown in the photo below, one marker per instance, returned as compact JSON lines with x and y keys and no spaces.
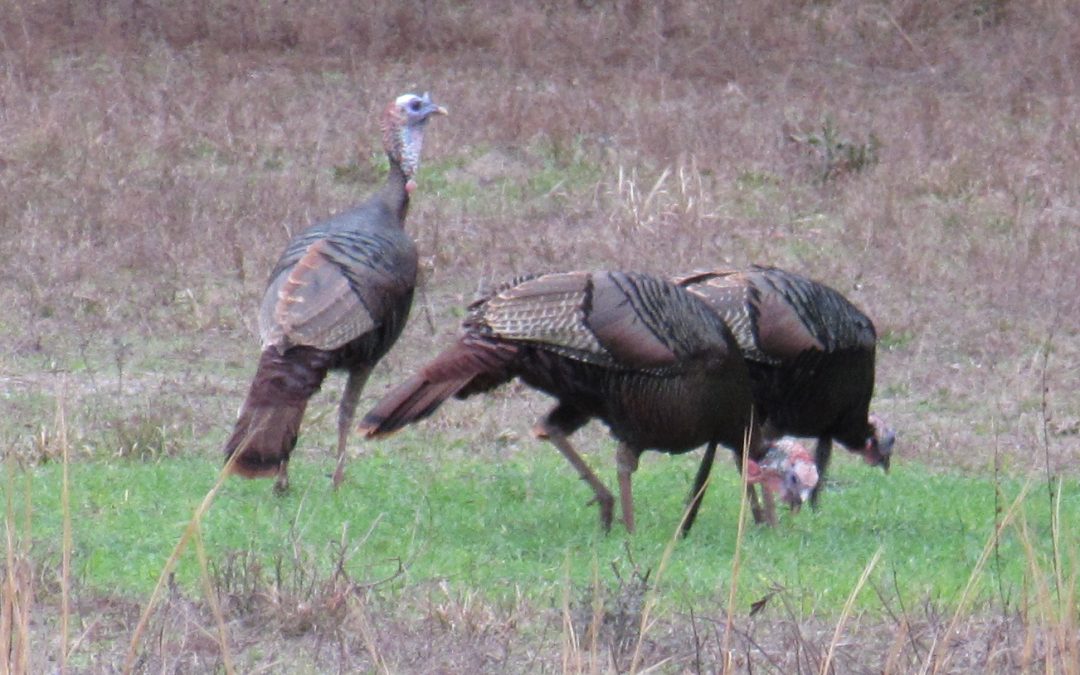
{"x":17,"y":588}
{"x":604,"y":623}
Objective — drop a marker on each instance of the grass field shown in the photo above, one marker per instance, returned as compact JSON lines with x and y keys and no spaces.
{"x":921,"y":157}
{"x":504,"y":527}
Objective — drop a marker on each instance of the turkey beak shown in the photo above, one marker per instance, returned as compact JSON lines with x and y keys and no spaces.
{"x":794,"y":498}
{"x":886,"y":446}
{"x":798,"y":499}
{"x":879,"y":446}
{"x":880,"y":454}
{"x":432,"y":109}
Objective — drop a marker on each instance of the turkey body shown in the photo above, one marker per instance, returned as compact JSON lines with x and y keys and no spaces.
{"x":810,"y":354}
{"x":648,"y":359}
{"x":360,"y":270}
{"x":337,"y":299}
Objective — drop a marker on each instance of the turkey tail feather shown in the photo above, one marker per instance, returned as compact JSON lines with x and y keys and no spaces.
{"x":269,"y":421}
{"x":445,"y":375}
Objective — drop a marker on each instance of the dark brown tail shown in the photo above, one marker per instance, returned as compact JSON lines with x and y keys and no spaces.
{"x":447,"y":374}
{"x":269,"y":420}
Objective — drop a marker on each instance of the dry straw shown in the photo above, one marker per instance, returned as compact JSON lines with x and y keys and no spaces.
{"x":65,"y":507}
{"x":193,"y":530}
{"x":939,"y":654}
{"x":18,"y":585}
{"x":847,"y":610}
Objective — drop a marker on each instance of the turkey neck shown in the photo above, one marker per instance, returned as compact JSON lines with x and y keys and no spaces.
{"x":394,"y":194}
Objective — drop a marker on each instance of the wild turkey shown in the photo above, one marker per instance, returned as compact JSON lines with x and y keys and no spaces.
{"x":647,"y":358}
{"x":810,"y":354}
{"x":787,"y":469}
{"x":337,"y":300}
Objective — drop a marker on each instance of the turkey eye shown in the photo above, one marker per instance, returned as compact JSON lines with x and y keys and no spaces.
{"x":415,"y":105}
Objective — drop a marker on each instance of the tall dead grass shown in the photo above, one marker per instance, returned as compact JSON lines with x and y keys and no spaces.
{"x":17,"y":596}
{"x":19,"y":614}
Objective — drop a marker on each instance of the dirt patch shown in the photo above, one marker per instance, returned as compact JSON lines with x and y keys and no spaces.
{"x":511,"y":164}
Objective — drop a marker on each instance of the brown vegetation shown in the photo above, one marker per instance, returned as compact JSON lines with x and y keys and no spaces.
{"x":922,"y":157}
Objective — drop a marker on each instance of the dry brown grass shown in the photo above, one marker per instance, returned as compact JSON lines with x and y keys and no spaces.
{"x":156,"y":155}
{"x":17,"y":596}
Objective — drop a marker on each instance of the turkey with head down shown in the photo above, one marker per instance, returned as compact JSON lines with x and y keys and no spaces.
{"x":337,"y":299}
{"x":649,"y":359}
{"x":787,"y":470}
{"x":810,"y":354}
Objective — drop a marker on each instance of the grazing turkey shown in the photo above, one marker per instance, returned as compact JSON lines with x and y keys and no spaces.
{"x":810,"y":354}
{"x":647,"y":358}
{"x":337,"y":300}
{"x":787,"y":469}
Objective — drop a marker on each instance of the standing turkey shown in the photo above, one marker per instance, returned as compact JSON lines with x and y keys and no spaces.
{"x":810,"y":354}
{"x":647,"y":358}
{"x":337,"y":300}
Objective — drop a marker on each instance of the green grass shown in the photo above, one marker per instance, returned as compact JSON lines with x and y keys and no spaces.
{"x":521,"y":524}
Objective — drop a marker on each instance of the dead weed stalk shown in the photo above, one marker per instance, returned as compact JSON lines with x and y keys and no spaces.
{"x":17,"y":597}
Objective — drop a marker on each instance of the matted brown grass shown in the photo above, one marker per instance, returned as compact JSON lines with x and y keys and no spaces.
{"x":155,"y":156}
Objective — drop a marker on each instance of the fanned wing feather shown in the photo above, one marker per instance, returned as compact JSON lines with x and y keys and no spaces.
{"x":618,"y":319}
{"x":781,"y":332}
{"x":728,"y":294}
{"x":815,"y":315}
{"x":776,"y":315}
{"x":330,"y":290}
{"x":315,"y":305}
{"x":605,"y":318}
{"x":548,"y":311}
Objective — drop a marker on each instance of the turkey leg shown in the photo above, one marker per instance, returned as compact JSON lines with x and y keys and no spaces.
{"x":346,"y":411}
{"x":281,"y":485}
{"x":626,"y":459}
{"x":697,"y":493}
{"x":604,"y":499}
{"x":822,"y":453}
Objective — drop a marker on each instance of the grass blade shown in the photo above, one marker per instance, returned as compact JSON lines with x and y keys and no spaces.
{"x":846,"y":612}
{"x":736,"y":559}
{"x":65,"y":509}
{"x":190,"y":531}
{"x":938,"y":657}
{"x":211,"y":597}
